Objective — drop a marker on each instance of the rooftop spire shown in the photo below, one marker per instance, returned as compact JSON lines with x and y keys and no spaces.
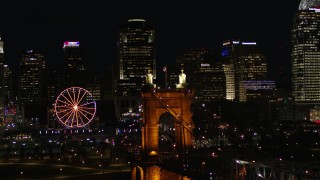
{"x":306,"y":4}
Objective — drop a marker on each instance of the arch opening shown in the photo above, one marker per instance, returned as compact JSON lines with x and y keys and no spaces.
{"x":166,"y":136}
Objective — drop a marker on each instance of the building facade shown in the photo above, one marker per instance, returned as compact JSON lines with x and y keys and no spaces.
{"x":7,"y":84}
{"x":305,"y":54}
{"x":211,"y":84}
{"x":243,"y":61}
{"x":2,"y":82}
{"x":190,"y":62}
{"x":73,"y":56}
{"x":32,"y":67}
{"x":136,"y":56}
{"x":75,"y":70}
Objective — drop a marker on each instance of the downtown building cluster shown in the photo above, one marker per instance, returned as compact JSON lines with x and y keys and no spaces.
{"x":28,"y":97}
{"x":231,"y":81}
{"x":235,"y":75}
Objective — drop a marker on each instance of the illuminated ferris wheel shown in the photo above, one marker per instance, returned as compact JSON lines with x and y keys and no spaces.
{"x":75,"y":107}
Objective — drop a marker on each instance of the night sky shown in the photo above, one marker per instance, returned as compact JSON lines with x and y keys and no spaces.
{"x":45,"y":25}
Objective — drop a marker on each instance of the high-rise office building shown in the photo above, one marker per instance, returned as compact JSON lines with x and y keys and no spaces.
{"x":191,"y":60}
{"x":31,"y":90}
{"x":136,"y":56}
{"x":306,"y":4}
{"x":32,"y":65}
{"x":305,"y":55}
{"x":75,"y":71}
{"x":136,"y":59}
{"x":7,"y":84}
{"x":203,"y":73}
{"x":210,"y":85}
{"x":228,"y":69}
{"x":248,"y":64}
{"x":73,"y":56}
{"x":2,"y":89}
{"x":94,"y":87}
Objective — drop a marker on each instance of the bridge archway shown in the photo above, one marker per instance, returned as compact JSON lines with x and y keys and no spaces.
{"x":156,"y":104}
{"x":166,"y":135}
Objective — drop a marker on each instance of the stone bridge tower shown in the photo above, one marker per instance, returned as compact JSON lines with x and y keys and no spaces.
{"x":156,"y":102}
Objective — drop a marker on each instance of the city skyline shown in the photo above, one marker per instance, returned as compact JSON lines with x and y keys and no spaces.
{"x":227,"y":89}
{"x":44,"y":26}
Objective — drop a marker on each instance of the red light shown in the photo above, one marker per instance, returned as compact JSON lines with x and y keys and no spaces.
{"x":317,"y":121}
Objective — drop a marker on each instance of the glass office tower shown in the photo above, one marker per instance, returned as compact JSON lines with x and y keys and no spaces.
{"x":305,"y":53}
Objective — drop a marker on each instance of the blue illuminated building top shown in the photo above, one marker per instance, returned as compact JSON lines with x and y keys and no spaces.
{"x":225,"y":52}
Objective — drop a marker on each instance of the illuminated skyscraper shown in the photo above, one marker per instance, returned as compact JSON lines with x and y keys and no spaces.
{"x":211,"y":84}
{"x":6,"y":88}
{"x":7,"y":84}
{"x":75,"y":70}
{"x":73,"y":56}
{"x":203,"y":73}
{"x":2,"y":89}
{"x":32,"y":65}
{"x":306,"y":4}
{"x":191,"y":60}
{"x":228,"y":69}
{"x":136,"y":58}
{"x":305,"y":55}
{"x":247,"y":63}
{"x":136,"y":55}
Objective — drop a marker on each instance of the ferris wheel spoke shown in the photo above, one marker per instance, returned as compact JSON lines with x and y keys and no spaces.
{"x":68,"y":107}
{"x":84,"y":115}
{"x":66,"y":115}
{"x":70,"y":97}
{"x":70,"y":123}
{"x":64,"y":102}
{"x":78,"y":96}
{"x":86,"y":112}
{"x":76,"y":114}
{"x":74,"y":96}
{"x":71,"y":104}
{"x":81,"y":97}
{"x":69,"y":117}
{"x":86,"y":107}
{"x":69,"y":112}
{"x":63,"y":111}
{"x":72,"y":119}
{"x":80,"y":117}
{"x":92,"y":102}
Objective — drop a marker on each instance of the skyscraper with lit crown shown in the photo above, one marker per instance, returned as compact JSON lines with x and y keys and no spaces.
{"x":136,"y":58}
{"x":136,"y":55}
{"x":305,"y":54}
{"x":73,"y":56}
{"x":243,"y":61}
{"x":75,"y":69}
